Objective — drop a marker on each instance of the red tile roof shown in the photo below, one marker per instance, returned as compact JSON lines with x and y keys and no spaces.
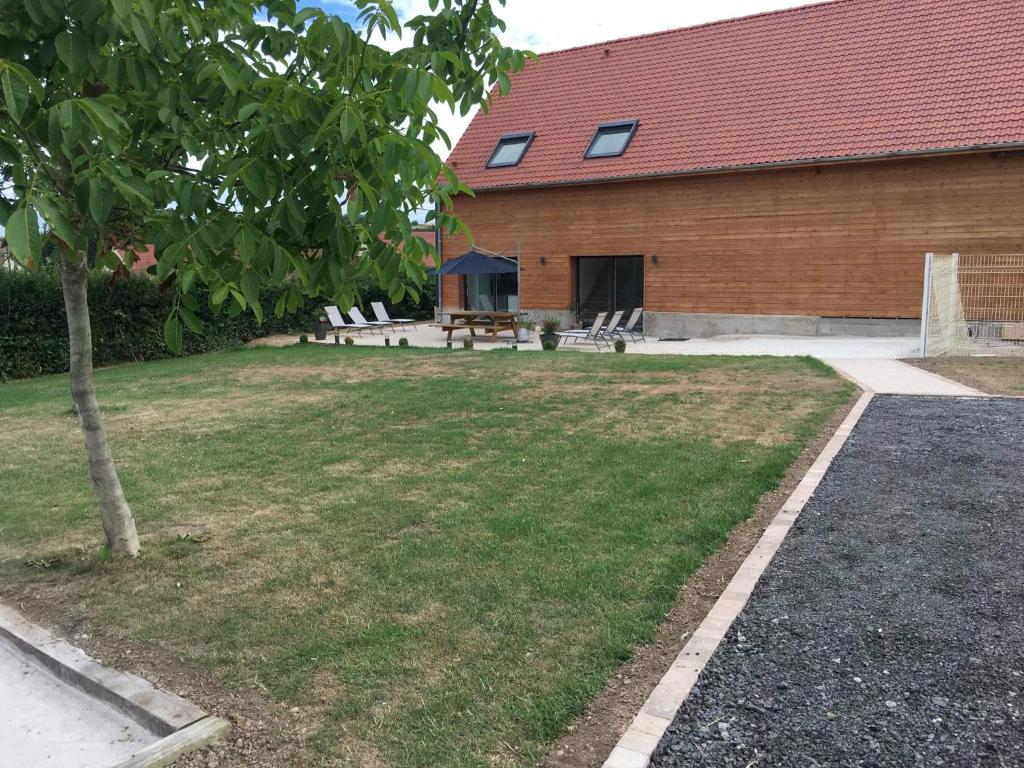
{"x":842,"y":79}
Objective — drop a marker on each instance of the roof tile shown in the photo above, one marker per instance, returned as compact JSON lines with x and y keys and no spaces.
{"x":839,"y":79}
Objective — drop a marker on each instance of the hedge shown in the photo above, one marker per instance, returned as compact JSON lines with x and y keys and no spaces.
{"x":128,"y":319}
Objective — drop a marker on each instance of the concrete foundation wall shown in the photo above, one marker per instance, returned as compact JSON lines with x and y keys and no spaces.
{"x":703,"y":325}
{"x":699,"y":325}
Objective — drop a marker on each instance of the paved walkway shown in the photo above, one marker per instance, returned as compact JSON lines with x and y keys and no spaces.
{"x":896,"y":378}
{"x":45,"y":723}
{"x":888,"y":631}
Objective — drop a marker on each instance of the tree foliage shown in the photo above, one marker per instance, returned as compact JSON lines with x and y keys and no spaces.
{"x":247,"y":141}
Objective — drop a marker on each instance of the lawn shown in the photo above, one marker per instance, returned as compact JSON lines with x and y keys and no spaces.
{"x":437,"y":557}
{"x":992,"y":375}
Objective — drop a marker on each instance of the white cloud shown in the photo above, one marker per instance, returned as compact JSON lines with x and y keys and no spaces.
{"x":551,"y":25}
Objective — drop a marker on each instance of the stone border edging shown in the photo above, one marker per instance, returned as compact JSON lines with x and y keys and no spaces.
{"x":637,"y":744}
{"x":160,"y":712}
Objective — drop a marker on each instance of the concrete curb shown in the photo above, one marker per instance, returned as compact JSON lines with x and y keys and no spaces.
{"x":170,"y":748}
{"x":641,"y":738}
{"x":183,"y":725}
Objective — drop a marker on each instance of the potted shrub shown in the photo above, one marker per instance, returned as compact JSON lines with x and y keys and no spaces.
{"x":321,"y":328}
{"x":467,"y":343}
{"x":548,"y":327}
{"x":620,"y":345}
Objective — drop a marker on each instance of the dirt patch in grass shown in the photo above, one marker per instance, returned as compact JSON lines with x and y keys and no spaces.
{"x":992,"y":375}
{"x":591,"y":738}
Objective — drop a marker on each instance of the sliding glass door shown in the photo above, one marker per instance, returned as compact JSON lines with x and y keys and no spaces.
{"x":492,"y":292}
{"x":608,"y":284}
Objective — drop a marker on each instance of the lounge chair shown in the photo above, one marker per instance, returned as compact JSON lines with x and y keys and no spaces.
{"x":381,"y":313}
{"x":356,"y":315}
{"x":630,"y":327}
{"x":339,"y":324}
{"x":595,"y":335}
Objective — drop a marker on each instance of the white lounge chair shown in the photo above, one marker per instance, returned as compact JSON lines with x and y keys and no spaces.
{"x":630,"y":327}
{"x":339,"y":324}
{"x":595,"y":335}
{"x":381,"y":313}
{"x":356,"y":315}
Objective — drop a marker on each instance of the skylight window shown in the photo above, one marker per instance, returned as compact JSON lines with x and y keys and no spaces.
{"x":611,"y":139}
{"x":510,"y":150}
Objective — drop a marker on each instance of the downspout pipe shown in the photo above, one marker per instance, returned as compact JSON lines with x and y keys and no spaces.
{"x":440,"y":258}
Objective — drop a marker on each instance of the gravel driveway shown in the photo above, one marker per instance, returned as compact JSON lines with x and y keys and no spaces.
{"x":889,"y":629}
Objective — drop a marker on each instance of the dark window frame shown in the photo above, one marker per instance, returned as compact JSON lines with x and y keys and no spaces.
{"x":528,"y":135}
{"x":616,"y":125}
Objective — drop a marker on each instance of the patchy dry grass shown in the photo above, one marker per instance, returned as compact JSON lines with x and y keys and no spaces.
{"x":439,"y":557}
{"x":992,"y":375}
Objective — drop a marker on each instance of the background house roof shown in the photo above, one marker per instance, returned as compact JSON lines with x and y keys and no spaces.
{"x":841,"y":79}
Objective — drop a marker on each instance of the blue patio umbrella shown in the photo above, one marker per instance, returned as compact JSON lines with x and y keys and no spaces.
{"x":476,"y":263}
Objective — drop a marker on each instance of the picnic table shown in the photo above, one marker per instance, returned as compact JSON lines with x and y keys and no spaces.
{"x":475,"y":320}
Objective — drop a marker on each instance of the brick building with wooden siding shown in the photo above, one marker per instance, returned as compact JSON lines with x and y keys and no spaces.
{"x":784,"y":172}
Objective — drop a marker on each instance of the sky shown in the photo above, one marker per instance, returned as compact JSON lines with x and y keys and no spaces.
{"x":550,"y":25}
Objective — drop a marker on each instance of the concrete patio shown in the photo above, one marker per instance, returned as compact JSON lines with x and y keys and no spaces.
{"x":824,"y":347}
{"x":873,"y":363}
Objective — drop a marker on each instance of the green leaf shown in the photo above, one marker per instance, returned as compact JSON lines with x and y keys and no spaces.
{"x":191,"y":320}
{"x":143,"y":32}
{"x":248,"y":110}
{"x":504,"y":86}
{"x":134,"y":188}
{"x":231,"y":78}
{"x":218,"y":295}
{"x":254,"y":176}
{"x":186,"y":277}
{"x":16,"y":93}
{"x":250,"y":285}
{"x":23,"y":234}
{"x":71,"y":50}
{"x":349,"y":123}
{"x":245,"y":243}
{"x":103,"y":118}
{"x":168,"y":260}
{"x":57,"y":221}
{"x":172,"y":333}
{"x":44,"y":11}
{"x":101,"y":199}
{"x":9,"y":152}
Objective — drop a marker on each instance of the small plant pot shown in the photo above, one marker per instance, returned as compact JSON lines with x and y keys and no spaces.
{"x":349,"y":341}
{"x":467,"y":343}
{"x":304,"y":339}
{"x":548,"y":341}
{"x":320,"y":332}
{"x":403,"y":342}
{"x":620,"y":345}
{"x":523,"y":335}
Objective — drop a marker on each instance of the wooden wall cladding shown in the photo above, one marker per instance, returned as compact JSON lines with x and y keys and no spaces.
{"x":835,"y":240}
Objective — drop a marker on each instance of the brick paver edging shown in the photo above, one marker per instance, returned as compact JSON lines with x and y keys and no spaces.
{"x":638,"y":743}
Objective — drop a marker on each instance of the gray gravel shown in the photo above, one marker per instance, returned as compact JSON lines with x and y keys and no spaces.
{"x":889,"y":629}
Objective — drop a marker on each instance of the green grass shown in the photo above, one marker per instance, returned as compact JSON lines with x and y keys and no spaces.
{"x":441,"y":557}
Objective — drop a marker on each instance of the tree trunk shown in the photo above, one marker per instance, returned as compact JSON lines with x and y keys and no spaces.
{"x":118,"y":523}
